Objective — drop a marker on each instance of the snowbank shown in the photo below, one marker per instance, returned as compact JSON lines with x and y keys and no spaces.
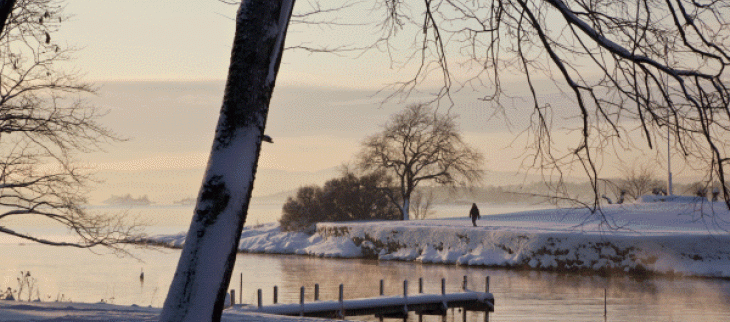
{"x":53,"y":311}
{"x":668,"y":237}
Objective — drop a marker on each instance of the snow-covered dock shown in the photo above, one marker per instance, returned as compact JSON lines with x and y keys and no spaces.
{"x":384,"y":306}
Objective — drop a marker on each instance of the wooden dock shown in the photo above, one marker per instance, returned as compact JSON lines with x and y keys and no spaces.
{"x":385,"y":306}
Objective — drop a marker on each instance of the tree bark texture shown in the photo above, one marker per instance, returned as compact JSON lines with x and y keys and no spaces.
{"x":206,"y":263}
{"x":6,"y":6}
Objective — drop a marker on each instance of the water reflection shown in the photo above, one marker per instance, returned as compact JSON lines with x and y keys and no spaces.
{"x":520,"y":295}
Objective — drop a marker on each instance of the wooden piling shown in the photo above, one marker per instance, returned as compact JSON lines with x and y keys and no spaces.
{"x":276,"y":294}
{"x":405,"y":298}
{"x":316,"y":292}
{"x":382,"y":288}
{"x":420,"y":291}
{"x":233,"y":297}
{"x":259,"y":298}
{"x":301,"y":300}
{"x":486,"y":290}
{"x":463,"y":286}
{"x":342,"y":304}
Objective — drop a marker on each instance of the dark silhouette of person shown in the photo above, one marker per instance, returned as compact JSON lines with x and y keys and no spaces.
{"x":474,"y":214}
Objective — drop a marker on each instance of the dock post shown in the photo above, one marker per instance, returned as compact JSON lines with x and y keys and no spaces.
{"x":316,"y":292}
{"x":382,"y":292}
{"x":444,"y":303}
{"x":605,"y":302}
{"x":301,"y":301}
{"x":420,"y":291}
{"x":240,"y":290}
{"x":463,"y":288}
{"x":405,"y":300}
{"x":486,"y":290}
{"x":259,"y":298}
{"x":276,"y":294}
{"x":342,"y":305}
{"x":233,"y":297}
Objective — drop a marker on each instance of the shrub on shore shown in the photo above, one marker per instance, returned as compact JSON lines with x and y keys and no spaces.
{"x":346,"y":198}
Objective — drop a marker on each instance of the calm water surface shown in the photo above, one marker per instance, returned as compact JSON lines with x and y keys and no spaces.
{"x":82,"y":276}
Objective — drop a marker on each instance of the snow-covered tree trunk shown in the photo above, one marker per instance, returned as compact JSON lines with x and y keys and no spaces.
{"x":6,"y":6}
{"x":204,"y":271}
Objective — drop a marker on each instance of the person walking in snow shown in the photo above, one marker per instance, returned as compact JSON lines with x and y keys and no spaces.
{"x":474,"y":214}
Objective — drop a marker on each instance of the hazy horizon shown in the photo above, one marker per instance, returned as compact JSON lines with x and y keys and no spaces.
{"x":160,"y":71}
{"x":170,"y":126}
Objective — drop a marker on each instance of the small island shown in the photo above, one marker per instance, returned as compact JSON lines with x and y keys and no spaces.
{"x":189,"y":201}
{"x":128,"y":200}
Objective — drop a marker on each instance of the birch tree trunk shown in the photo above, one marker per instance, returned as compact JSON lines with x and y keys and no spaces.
{"x":204,"y":271}
{"x":6,"y":6}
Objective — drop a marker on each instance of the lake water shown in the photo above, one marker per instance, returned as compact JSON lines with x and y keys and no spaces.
{"x":83,"y":276}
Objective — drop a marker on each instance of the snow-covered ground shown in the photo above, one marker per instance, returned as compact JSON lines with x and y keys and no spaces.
{"x":679,"y":236}
{"x":61,"y":312}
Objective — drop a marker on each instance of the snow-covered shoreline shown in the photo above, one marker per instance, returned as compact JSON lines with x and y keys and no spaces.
{"x":61,"y":311}
{"x":656,"y":238}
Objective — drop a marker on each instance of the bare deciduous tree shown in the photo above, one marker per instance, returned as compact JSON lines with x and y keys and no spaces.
{"x":638,"y":179}
{"x":417,"y":145}
{"x":421,"y":203}
{"x":630,"y":68}
{"x":650,"y":65}
{"x":44,"y":124}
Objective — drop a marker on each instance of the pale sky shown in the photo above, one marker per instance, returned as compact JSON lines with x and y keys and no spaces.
{"x":154,"y":40}
{"x":161,"y":65}
{"x":191,"y":40}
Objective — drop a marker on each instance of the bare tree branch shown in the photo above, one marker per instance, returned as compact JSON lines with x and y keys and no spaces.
{"x":420,"y":145}
{"x":44,"y":124}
